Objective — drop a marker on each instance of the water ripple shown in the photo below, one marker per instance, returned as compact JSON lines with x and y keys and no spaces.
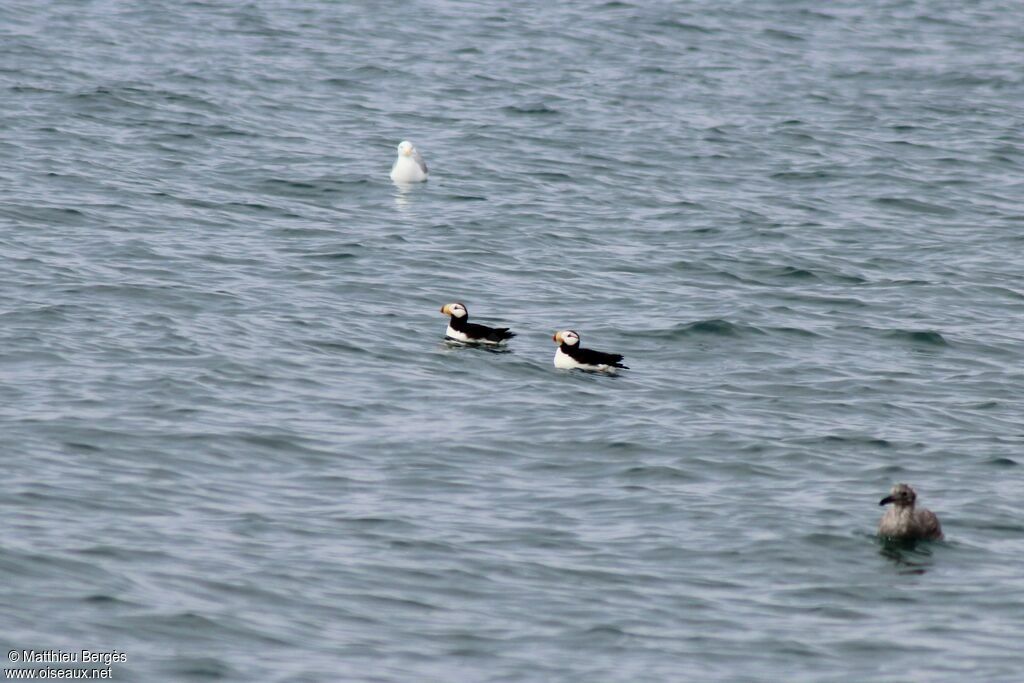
{"x":232,"y":428}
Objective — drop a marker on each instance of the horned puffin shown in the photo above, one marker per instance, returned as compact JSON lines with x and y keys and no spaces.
{"x":460,"y":329}
{"x":409,"y":167}
{"x":569,"y":355}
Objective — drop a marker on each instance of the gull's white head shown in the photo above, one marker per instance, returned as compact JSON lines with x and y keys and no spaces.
{"x":405,"y":148}
{"x":568,"y":337}
{"x":455,"y":310}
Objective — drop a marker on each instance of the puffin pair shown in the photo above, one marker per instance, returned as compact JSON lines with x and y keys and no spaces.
{"x":569,"y":355}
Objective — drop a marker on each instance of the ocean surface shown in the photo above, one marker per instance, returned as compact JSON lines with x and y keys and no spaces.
{"x":236,"y":448}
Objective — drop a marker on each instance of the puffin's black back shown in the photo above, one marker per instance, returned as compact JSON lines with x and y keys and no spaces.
{"x":476,"y":331}
{"x":592,"y":357}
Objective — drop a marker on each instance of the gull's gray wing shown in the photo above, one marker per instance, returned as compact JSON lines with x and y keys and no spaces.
{"x":419,"y":160}
{"x":929,"y":524}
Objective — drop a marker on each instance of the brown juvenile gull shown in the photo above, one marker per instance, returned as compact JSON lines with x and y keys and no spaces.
{"x":902,"y":522}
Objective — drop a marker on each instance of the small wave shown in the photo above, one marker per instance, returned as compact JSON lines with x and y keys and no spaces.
{"x":714,"y":327}
{"x":105,"y":599}
{"x":794,"y":331}
{"x":914,"y":206}
{"x":858,"y":440}
{"x":330,"y":256}
{"x":927,"y":337}
{"x":796,"y":273}
{"x":605,"y":630}
{"x":823,"y":538}
{"x":370,"y":71}
{"x":205,"y":668}
{"x":686,"y":27}
{"x":783,"y":35}
{"x":342,"y":82}
{"x":332,"y":347}
{"x":657,"y":473}
{"x":531,"y":110}
{"x":802,"y":175}
{"x":255,"y":206}
{"x":553,"y":176}
{"x":393,"y":601}
{"x":281,"y":182}
{"x":83,"y":447}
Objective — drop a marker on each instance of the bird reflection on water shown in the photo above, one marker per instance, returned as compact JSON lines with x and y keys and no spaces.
{"x":454,"y":344}
{"x":402,"y":191}
{"x":911,"y":557}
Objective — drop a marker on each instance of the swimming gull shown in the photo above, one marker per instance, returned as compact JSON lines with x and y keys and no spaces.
{"x":905,"y":523}
{"x":409,"y":166}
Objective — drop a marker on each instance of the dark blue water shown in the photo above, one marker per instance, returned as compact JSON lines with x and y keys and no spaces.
{"x":235,"y":447}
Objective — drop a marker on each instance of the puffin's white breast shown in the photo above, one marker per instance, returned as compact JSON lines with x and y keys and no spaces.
{"x":564,"y":361}
{"x":456,"y":335}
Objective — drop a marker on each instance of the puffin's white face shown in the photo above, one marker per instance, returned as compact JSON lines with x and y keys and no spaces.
{"x":455,"y":310}
{"x":405,"y":148}
{"x":567,"y":337}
